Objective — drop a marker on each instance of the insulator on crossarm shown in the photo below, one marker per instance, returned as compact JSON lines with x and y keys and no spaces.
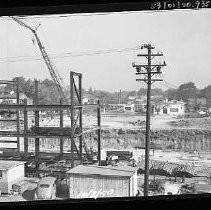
{"x":158,"y":69}
{"x":138,"y":69}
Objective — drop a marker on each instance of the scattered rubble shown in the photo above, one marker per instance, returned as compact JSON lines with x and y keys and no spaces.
{"x":168,"y":168}
{"x":138,"y":123}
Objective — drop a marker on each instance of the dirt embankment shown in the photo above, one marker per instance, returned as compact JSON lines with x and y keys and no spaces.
{"x":178,"y":139}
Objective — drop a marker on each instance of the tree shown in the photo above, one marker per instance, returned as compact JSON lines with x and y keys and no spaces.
{"x":171,"y":94}
{"x":206,"y":92}
{"x":142,"y":91}
{"x":29,"y":88}
{"x":157,"y":91}
{"x":186,"y":91}
{"x":90,"y":91}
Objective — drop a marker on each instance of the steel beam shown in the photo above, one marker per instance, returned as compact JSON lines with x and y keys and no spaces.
{"x":61,"y":126}
{"x":42,"y":107}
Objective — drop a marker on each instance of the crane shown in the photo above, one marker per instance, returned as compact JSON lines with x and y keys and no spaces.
{"x":54,"y":74}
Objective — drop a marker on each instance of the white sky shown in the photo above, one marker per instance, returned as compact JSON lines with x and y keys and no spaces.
{"x":184,"y":37}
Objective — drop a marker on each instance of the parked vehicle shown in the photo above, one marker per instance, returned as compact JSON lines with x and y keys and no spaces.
{"x":46,"y":189}
{"x":25,"y":184}
{"x":172,"y":188}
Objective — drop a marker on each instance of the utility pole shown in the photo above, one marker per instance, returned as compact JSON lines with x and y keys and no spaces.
{"x":148,"y":71}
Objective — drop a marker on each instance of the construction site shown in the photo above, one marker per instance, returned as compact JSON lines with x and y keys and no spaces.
{"x":90,"y":153}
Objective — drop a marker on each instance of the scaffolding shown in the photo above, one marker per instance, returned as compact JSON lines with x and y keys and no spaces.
{"x":74,"y":132}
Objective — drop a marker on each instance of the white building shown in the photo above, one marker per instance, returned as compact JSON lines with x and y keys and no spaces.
{"x":129,"y":108}
{"x":173,"y":107}
{"x":85,"y":100}
{"x":10,"y":173}
{"x":89,"y":99}
{"x":93,"y":181}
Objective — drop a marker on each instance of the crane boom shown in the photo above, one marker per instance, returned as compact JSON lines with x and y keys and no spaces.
{"x":55,"y":76}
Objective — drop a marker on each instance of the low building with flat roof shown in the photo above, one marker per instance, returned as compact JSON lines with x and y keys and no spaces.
{"x":102,"y":181}
{"x":10,"y":173}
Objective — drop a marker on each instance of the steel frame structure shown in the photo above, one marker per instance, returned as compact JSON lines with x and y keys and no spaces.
{"x":17,"y":120}
{"x":76,"y":110}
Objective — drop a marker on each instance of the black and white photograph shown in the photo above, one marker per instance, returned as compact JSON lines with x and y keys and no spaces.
{"x":105,"y":104}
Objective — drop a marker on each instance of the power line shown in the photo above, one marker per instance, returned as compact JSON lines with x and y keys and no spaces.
{"x":65,"y":55}
{"x":167,"y":83}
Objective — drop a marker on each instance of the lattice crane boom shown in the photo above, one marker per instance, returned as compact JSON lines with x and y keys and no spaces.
{"x":54,"y":75}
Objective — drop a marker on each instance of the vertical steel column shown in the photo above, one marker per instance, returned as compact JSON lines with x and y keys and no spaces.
{"x":99,"y":131}
{"x":18,"y":114}
{"x":37,"y":143}
{"x":80,"y":117}
{"x":72,"y":117}
{"x":61,"y":126}
{"x":25,"y":129}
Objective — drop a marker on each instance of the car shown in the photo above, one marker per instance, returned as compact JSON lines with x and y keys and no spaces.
{"x":24,"y":185}
{"x":46,"y":189}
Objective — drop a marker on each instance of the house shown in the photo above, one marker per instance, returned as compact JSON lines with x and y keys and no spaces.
{"x":85,"y":100}
{"x":129,"y":108}
{"x":93,"y":181}
{"x":141,"y":106}
{"x":10,"y":173}
{"x":131,"y":99}
{"x":172,"y":107}
{"x":89,"y":99}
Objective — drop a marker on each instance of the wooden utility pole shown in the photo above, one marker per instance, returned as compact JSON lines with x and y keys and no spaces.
{"x":99,"y":132}
{"x":148,"y":70}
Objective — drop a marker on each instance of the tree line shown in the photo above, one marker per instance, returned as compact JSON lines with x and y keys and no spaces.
{"x":48,"y":93}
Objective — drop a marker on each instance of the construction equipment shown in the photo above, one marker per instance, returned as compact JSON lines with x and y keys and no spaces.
{"x":53,"y":72}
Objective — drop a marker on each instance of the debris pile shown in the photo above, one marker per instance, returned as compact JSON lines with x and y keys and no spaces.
{"x":168,"y":168}
{"x":138,"y":123}
{"x":179,"y":123}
